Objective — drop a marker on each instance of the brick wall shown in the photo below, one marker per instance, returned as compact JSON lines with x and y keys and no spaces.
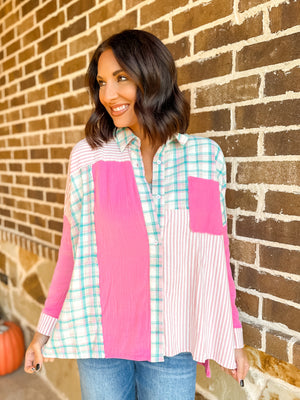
{"x":238,"y":64}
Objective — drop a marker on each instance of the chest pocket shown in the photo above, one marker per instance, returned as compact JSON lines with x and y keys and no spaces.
{"x":204,"y":206}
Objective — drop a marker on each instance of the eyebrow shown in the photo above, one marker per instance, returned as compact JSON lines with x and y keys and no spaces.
{"x":114,"y":73}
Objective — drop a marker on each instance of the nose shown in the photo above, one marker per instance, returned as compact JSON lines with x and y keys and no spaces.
{"x":108,"y":92}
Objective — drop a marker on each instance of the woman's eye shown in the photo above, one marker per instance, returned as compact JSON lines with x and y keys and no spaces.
{"x":100,"y":83}
{"x":122,"y":78}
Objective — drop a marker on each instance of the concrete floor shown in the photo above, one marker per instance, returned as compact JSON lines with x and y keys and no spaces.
{"x":20,"y":386}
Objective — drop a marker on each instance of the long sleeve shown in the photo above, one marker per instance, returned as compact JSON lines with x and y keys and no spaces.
{"x":221,"y":171}
{"x":63,"y":272}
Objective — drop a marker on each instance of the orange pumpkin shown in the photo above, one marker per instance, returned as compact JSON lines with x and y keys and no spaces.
{"x":12,"y":347}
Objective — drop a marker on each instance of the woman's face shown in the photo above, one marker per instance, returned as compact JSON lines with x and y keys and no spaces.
{"x":117,"y":92}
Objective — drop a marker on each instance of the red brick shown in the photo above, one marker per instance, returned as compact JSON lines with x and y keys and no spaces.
{"x":252,"y":335}
{"x":180,"y":49}
{"x":31,"y":36}
{"x":228,"y":33}
{"x":78,"y":82}
{"x":12,"y":48}
{"x":132,"y":3}
{"x":12,"y":19}
{"x":60,"y":152}
{"x":36,"y":220}
{"x":48,"y":75}
{"x":46,"y":10}
{"x":55,"y":225}
{"x":272,"y":172}
{"x":9,"y":225}
{"x":241,"y":199}
{"x":25,"y":229}
{"x":55,"y":197}
{"x":159,"y":8}
{"x":10,"y":63}
{"x":84,"y":43}
{"x":51,"y":107}
{"x":58,"y":212}
{"x":40,"y":181}
{"x":56,"y":55}
{"x":20,"y":155}
{"x":25,"y":25}
{"x":34,"y":140}
{"x":199,"y":15}
{"x":29,"y":6}
{"x":53,"y":23}
{"x":102,"y":14}
{"x":296,"y":354}
{"x":281,"y":313}
{"x":22,"y":180}
{"x":3,"y":189}
{"x":81,"y":117}
{"x":74,"y":29}
{"x":269,"y":114}
{"x":73,"y":65}
{"x":12,"y":76}
{"x":282,"y":203}
{"x":35,"y":194}
{"x":37,"y":125}
{"x":246,"y":4}
{"x":33,"y":66}
{"x":38,"y":153}
{"x":14,"y":142}
{"x":129,"y":21}
{"x":76,"y":101}
{"x":53,"y":168}
{"x":205,"y":69}
{"x":27,"y":83}
{"x":79,"y":8}
{"x":35,"y":95}
{"x":247,"y":303}
{"x":278,"y":50}
{"x":280,"y":82}
{"x":29,"y":112}
{"x":46,"y":43}
{"x":244,"y":145}
{"x":276,"y":345}
{"x":53,"y":138}
{"x":279,"y":259}
{"x":13,"y":116}
{"x":24,"y":205}
{"x":159,"y":29}
{"x":209,"y":121}
{"x":269,"y":229}
{"x":59,"y":121}
{"x":278,"y":286}
{"x":234,"y":91}
{"x":43,"y":235}
{"x":43,"y":209}
{"x":7,"y":37}
{"x":33,"y":167}
{"x":282,"y":143}
{"x":6,"y":9}
{"x":285,"y":16}
{"x":17,"y":101}
{"x":15,"y":167}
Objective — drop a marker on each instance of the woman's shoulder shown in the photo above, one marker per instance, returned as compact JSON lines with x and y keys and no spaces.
{"x":204,"y":144}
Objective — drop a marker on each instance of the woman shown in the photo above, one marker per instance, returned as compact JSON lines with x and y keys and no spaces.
{"x":142,"y":290}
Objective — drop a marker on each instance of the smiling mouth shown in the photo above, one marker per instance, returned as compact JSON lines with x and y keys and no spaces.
{"x":118,"y":110}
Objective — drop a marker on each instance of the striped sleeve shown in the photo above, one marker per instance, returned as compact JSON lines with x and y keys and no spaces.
{"x":62,"y":274}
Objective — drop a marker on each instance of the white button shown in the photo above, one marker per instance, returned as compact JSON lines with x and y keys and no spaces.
{"x":158,"y":162}
{"x":156,"y":242}
{"x":158,"y":196}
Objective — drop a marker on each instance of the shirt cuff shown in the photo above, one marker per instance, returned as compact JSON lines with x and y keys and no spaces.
{"x":238,"y":338}
{"x":46,"y":324}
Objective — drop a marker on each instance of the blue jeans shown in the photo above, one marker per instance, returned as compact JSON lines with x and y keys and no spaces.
{"x":117,"y":379}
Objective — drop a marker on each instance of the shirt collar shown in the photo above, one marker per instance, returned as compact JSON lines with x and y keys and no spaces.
{"x":124,"y":136}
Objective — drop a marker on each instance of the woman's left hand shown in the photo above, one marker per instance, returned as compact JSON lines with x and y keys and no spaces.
{"x":242,"y":364}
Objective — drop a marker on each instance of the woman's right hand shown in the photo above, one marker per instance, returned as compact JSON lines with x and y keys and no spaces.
{"x":34,"y":358}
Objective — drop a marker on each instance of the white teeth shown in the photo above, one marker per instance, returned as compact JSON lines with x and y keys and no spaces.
{"x":121,"y":108}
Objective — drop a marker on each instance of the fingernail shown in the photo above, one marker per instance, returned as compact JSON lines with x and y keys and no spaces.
{"x":37,"y":367}
{"x":241,"y":383}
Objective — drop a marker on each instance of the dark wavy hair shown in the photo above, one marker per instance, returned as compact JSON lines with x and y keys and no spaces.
{"x":160,"y":106}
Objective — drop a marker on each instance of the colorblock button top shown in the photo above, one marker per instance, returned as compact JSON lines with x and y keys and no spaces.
{"x":143,"y":272}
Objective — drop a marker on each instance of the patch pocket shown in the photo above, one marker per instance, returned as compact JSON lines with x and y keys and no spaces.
{"x":204,"y":206}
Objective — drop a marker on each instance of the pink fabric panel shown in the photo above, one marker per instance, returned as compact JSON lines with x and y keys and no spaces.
{"x":62,"y":275}
{"x":204,"y":206}
{"x":235,"y":314}
{"x":123,"y":257}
